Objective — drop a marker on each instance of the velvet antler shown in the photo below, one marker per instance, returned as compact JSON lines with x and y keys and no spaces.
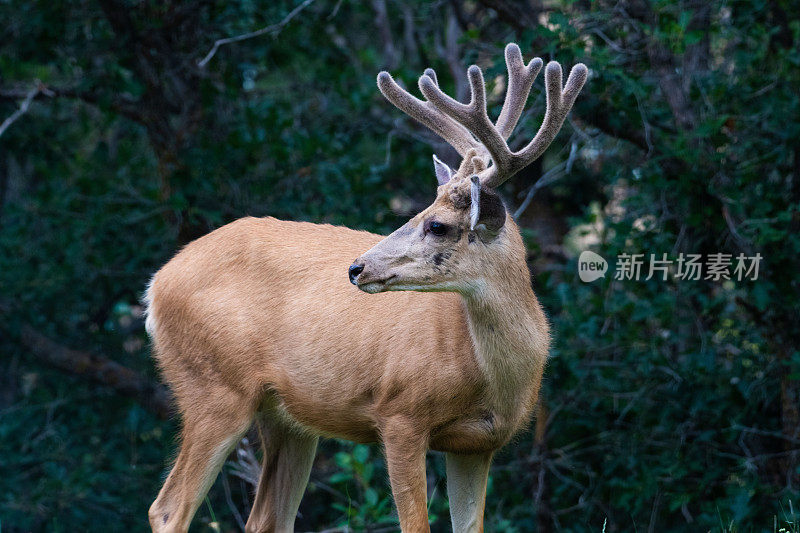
{"x":427,"y":114}
{"x":454,"y":121}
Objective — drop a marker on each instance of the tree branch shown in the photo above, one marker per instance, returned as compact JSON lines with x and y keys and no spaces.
{"x":123,"y":380}
{"x":601,"y":116}
{"x":390,"y":56}
{"x":518,"y":15}
{"x":274,"y":29}
{"x":124,"y":106}
{"x":23,"y":108}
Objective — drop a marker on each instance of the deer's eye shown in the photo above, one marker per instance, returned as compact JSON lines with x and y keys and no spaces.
{"x":437,"y":228}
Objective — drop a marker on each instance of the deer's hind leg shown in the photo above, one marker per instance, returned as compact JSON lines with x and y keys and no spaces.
{"x":288,"y":457}
{"x":214,"y":419}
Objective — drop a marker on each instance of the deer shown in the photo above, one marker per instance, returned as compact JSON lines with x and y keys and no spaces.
{"x":432,"y":339}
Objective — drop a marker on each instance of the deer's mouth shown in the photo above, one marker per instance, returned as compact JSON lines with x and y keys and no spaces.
{"x":376,"y":286}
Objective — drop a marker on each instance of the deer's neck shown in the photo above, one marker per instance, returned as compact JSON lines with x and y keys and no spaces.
{"x":511,"y":338}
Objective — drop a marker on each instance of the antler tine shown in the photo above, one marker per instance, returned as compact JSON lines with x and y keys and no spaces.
{"x":432,"y":75}
{"x":473,"y":115}
{"x":559,"y":102}
{"x":425,"y":113}
{"x":520,"y":81}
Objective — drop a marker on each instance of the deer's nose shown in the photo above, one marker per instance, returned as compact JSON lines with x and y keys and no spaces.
{"x":354,"y":270}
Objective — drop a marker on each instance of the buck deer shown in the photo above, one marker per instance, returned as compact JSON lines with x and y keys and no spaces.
{"x":257,"y":321}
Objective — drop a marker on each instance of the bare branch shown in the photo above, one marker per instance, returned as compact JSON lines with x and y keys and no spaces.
{"x":226,"y":487}
{"x":663,"y":63}
{"x":273,"y":29}
{"x":246,"y":466}
{"x":409,"y":30}
{"x":335,"y":10}
{"x":547,"y":178}
{"x":390,"y":56}
{"x":123,"y":380}
{"x":121,"y":104}
{"x":450,"y":50}
{"x":23,"y":108}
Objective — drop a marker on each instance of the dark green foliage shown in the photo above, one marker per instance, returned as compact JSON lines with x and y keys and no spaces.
{"x":668,"y":405}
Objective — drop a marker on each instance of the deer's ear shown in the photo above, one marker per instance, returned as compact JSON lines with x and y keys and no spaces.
{"x":487,"y":211}
{"x":443,"y":172}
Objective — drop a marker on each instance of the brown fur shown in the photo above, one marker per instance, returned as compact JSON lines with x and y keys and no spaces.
{"x":258,"y":317}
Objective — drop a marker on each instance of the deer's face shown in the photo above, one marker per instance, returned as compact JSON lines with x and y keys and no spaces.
{"x":442,"y":248}
{"x":465,"y":236}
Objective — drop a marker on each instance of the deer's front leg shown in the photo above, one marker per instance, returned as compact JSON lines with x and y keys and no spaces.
{"x":405,"y":458}
{"x":466,"y":489}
